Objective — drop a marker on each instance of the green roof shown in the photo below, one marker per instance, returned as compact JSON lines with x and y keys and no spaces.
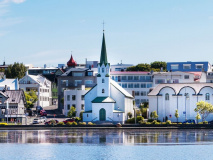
{"x":103,"y":100}
{"x":103,"y":59}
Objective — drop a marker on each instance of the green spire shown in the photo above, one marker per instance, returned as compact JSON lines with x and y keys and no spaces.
{"x":103,"y":59}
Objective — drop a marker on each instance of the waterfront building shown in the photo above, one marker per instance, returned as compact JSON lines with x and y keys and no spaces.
{"x":16,"y":106}
{"x":107,"y":100}
{"x":39,"y":84}
{"x":166,"y":98}
{"x":189,"y":66}
{"x":74,"y":98}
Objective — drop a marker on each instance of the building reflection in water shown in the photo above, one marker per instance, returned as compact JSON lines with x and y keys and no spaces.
{"x":107,"y":136}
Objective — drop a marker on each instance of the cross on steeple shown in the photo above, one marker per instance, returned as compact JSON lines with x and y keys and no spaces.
{"x":103,"y":25}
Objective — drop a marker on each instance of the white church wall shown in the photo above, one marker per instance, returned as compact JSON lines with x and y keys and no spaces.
{"x":87,"y":117}
{"x":118,"y":97}
{"x":91,"y":95}
{"x":119,"y":118}
{"x":128,"y":107}
{"x":107,"y":106}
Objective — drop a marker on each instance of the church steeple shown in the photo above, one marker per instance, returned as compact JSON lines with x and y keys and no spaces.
{"x":71,"y":62}
{"x":103,"y":59}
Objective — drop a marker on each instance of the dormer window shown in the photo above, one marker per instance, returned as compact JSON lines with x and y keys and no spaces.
{"x":103,"y":90}
{"x":102,"y":80}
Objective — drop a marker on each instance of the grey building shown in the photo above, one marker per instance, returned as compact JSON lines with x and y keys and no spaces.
{"x":74,"y":78}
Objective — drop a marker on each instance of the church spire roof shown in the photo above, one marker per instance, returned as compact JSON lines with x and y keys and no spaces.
{"x":71,"y":62}
{"x":103,"y":59}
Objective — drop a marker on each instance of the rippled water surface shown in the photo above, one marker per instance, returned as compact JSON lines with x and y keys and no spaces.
{"x":106,"y":144}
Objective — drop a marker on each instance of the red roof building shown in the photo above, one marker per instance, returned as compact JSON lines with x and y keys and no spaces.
{"x":71,"y":62}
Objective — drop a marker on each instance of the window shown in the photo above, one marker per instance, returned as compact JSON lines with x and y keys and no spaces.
{"x":137,"y":101}
{"x":130,"y":77}
{"x":143,"y":93}
{"x":103,"y":91}
{"x":77,"y":82}
{"x":136,"y":85}
{"x":137,"y":93}
{"x":149,"y":85}
{"x":112,"y":77}
{"x":186,"y":66}
{"x":73,"y":97}
{"x":82,"y":106}
{"x":148,"y":78}
{"x":88,"y":82}
{"x":143,"y":85}
{"x":166,"y":96}
{"x":159,"y":81}
{"x":143,"y":100}
{"x":102,"y":80}
{"x":82,"y":97}
{"x":73,"y":105}
{"x":186,"y":76}
{"x":130,"y":85}
{"x":124,"y":85}
{"x":77,"y":74}
{"x":90,"y":73}
{"x":207,"y":97}
{"x":68,"y":107}
{"x":199,"y":66}
{"x":68,"y":97}
{"x":123,"y":78}
{"x":102,"y":70}
{"x":175,"y":80}
{"x":136,"y":78}
{"x":174,"y":66}
{"x":64,"y":82}
{"x":143,"y":77}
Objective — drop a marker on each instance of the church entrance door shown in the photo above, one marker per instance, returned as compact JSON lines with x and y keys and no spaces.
{"x":102,"y":114}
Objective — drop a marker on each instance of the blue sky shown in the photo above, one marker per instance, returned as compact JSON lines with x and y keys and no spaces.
{"x":42,"y":32}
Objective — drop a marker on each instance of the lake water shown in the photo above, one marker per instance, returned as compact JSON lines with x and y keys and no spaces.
{"x":106,"y":144}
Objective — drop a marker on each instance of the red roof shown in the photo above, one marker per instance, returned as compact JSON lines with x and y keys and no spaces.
{"x":71,"y":62}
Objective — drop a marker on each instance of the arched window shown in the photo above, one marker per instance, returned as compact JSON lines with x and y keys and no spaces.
{"x":167,"y":96}
{"x":103,"y":91}
{"x":207,"y":97}
{"x":102,"y":80}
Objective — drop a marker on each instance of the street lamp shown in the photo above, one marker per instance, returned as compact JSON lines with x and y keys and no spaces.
{"x":186,"y":97}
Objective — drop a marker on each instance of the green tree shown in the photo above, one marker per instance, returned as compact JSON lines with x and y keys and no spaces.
{"x":81,"y":115}
{"x":31,"y":98}
{"x":154,"y":115}
{"x":176,"y":114}
{"x":197,"y":117}
{"x":204,"y":109}
{"x":16,"y":70}
{"x":157,"y":65}
{"x":140,"y":67}
{"x":129,"y":114}
{"x":71,"y":112}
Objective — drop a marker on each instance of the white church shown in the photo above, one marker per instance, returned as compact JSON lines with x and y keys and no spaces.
{"x":107,"y":101}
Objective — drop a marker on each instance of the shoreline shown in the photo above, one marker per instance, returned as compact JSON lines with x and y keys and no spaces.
{"x":151,"y":127}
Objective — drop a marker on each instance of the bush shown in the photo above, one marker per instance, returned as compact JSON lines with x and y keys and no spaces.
{"x":82,"y":123}
{"x":142,"y":122}
{"x":131,"y":120}
{"x":155,"y":122}
{"x":90,"y":123}
{"x":150,"y":120}
{"x":52,"y":122}
{"x":74,"y":123}
{"x":69,"y":123}
{"x":60,"y":123}
{"x":77,"y":119}
{"x":3,"y":124}
{"x":139,"y":118}
{"x":163,"y":122}
{"x":205,"y":122}
{"x":148,"y":123}
{"x":168,"y":122}
{"x":200,"y":123}
{"x":179,"y":123}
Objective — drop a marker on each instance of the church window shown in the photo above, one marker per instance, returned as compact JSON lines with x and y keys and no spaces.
{"x":102,"y":70}
{"x":87,"y":115}
{"x":207,"y":96}
{"x":102,"y":80}
{"x":166,"y":96}
{"x":107,"y":70}
{"x":103,"y":90}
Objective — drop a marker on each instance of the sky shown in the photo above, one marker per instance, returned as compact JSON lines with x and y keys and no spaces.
{"x":42,"y":32}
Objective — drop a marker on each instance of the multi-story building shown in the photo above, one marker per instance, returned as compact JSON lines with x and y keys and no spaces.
{"x":189,"y":66}
{"x":39,"y":84}
{"x":75,"y":98}
{"x":136,"y":83}
{"x":120,"y":67}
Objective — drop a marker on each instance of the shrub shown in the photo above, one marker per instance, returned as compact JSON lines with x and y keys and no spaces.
{"x":200,"y":123}
{"x":69,"y":123}
{"x":150,"y":120}
{"x":60,"y":123}
{"x":179,"y":123}
{"x":205,"y":122}
{"x":163,"y":122}
{"x":142,"y":122}
{"x":74,"y":123}
{"x":131,"y":120}
{"x":155,"y":122}
{"x":77,"y":119}
{"x":168,"y":122}
{"x":148,"y":123}
{"x":90,"y":123}
{"x":52,"y":122}
{"x":82,"y":123}
{"x":139,"y":118}
{"x":3,"y":124}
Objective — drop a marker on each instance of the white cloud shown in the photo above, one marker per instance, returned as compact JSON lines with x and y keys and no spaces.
{"x":11,"y":1}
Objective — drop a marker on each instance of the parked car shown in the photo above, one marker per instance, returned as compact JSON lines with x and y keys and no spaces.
{"x":38,"y":109}
{"x":49,"y":122}
{"x":37,"y":121}
{"x":43,"y":119}
{"x":189,"y":121}
{"x":68,"y":120}
{"x":43,"y":113}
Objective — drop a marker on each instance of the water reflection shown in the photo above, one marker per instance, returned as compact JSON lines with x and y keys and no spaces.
{"x":104,"y":136}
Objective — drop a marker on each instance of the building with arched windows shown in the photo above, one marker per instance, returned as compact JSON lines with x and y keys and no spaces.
{"x":107,"y":100}
{"x":166,"y":98}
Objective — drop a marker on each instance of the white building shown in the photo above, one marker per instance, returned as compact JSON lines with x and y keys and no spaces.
{"x":75,"y":98}
{"x":10,"y":84}
{"x":120,"y":67}
{"x":40,"y":85}
{"x":107,"y":101}
{"x":166,"y":98}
